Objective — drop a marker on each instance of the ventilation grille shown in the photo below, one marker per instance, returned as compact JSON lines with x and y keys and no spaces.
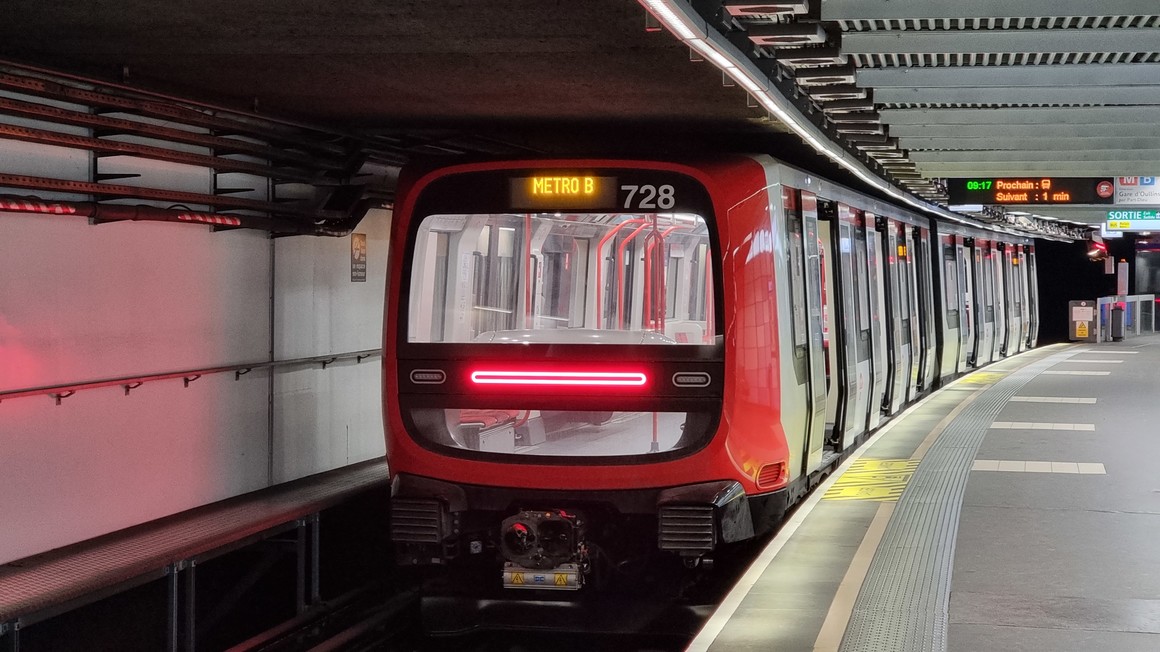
{"x":416,"y":521}
{"x":770,"y":475}
{"x":684,"y":527}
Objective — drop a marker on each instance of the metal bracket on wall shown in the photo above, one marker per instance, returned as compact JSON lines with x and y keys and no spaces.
{"x":62,"y":395}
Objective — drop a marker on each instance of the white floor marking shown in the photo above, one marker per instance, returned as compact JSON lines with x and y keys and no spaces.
{"x":1076,"y":373}
{"x":1108,"y":352}
{"x":1030,"y":425}
{"x":1051,"y":399}
{"x":1073,"y":360}
{"x":1017,"y":466}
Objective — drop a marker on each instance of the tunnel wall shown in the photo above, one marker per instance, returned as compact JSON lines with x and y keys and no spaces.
{"x":80,"y":303}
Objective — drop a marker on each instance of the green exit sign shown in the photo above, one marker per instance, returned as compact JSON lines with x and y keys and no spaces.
{"x":1134,"y":220}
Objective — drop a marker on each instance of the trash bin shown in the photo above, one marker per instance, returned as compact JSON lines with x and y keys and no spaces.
{"x":1117,"y":325}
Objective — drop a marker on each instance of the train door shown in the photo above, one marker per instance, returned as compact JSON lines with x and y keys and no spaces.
{"x":800,"y":384}
{"x":816,"y":439}
{"x":914,"y":279}
{"x":843,"y":339}
{"x":910,"y":309}
{"x":898,"y":365}
{"x":928,"y":321}
{"x":964,"y":303}
{"x":1011,"y":328}
{"x":864,"y":339}
{"x":1032,"y":297}
{"x":877,"y":326}
{"x":1001,"y":302}
{"x":984,"y":303}
{"x":1024,"y":296}
{"x":830,"y":316}
{"x":970,"y":304}
{"x":949,"y":268}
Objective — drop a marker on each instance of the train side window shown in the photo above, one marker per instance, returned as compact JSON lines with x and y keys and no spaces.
{"x":797,"y":283}
{"x":950,"y":282}
{"x":794,"y":228}
{"x":861,"y":278}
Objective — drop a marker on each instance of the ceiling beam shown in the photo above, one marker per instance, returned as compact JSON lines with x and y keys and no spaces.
{"x":1007,"y":144}
{"x":1093,"y":74}
{"x":1090,"y":132}
{"x":1055,"y":168}
{"x":991,"y":41}
{"x":1151,"y":156}
{"x":1024,"y":115}
{"x":910,"y":9}
{"x":1113,"y":95}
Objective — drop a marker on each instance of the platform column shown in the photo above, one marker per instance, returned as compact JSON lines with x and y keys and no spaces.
{"x":10,"y":637}
{"x":181,"y":590}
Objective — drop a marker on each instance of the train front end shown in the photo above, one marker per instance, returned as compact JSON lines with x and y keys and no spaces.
{"x":554,"y":371}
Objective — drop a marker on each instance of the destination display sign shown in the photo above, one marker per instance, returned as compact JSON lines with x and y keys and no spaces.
{"x":1134,"y":220}
{"x":561,"y":190}
{"x":1032,"y":190}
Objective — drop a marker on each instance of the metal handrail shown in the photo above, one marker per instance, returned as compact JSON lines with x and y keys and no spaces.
{"x":129,"y":383}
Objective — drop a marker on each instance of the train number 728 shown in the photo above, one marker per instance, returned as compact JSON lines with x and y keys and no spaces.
{"x":649,"y":196}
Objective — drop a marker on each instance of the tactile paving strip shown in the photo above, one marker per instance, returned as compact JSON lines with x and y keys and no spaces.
{"x":904,"y":602}
{"x":36,"y":583}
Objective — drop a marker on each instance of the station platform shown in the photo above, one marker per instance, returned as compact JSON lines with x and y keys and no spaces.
{"x":35,"y":589}
{"x":1016,"y":509}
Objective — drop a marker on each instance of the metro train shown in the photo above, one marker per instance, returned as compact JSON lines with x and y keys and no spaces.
{"x":590,"y":363}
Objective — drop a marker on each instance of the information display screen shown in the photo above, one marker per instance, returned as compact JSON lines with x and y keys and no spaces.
{"x":549,"y":191}
{"x":1032,"y":190}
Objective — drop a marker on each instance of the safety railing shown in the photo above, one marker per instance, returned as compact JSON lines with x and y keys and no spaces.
{"x":1139,"y":315}
{"x":130,"y":383}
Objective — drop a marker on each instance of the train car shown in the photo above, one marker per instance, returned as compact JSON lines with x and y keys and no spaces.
{"x":592,"y":363}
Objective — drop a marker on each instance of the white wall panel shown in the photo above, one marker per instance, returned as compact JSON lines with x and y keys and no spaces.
{"x":102,"y":461}
{"x":328,"y":418}
{"x":81,"y":302}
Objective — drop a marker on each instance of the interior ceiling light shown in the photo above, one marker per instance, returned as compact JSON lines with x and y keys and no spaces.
{"x":683,"y":21}
{"x":786,"y":35}
{"x":748,"y":8}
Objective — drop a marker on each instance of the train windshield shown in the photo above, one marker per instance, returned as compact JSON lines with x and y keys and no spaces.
{"x":616,"y":278}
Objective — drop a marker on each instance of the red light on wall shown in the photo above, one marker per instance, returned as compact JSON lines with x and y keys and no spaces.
{"x":560,"y":378}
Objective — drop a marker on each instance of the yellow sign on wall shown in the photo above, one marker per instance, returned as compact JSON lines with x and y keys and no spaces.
{"x":1081,"y":329}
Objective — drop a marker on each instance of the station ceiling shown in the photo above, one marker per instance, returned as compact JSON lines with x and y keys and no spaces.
{"x":915,"y":90}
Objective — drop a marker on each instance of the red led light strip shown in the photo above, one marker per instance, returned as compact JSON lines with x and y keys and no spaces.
{"x":560,"y":378}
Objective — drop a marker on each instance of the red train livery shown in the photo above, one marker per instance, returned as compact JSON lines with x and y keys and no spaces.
{"x":590,"y":363}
